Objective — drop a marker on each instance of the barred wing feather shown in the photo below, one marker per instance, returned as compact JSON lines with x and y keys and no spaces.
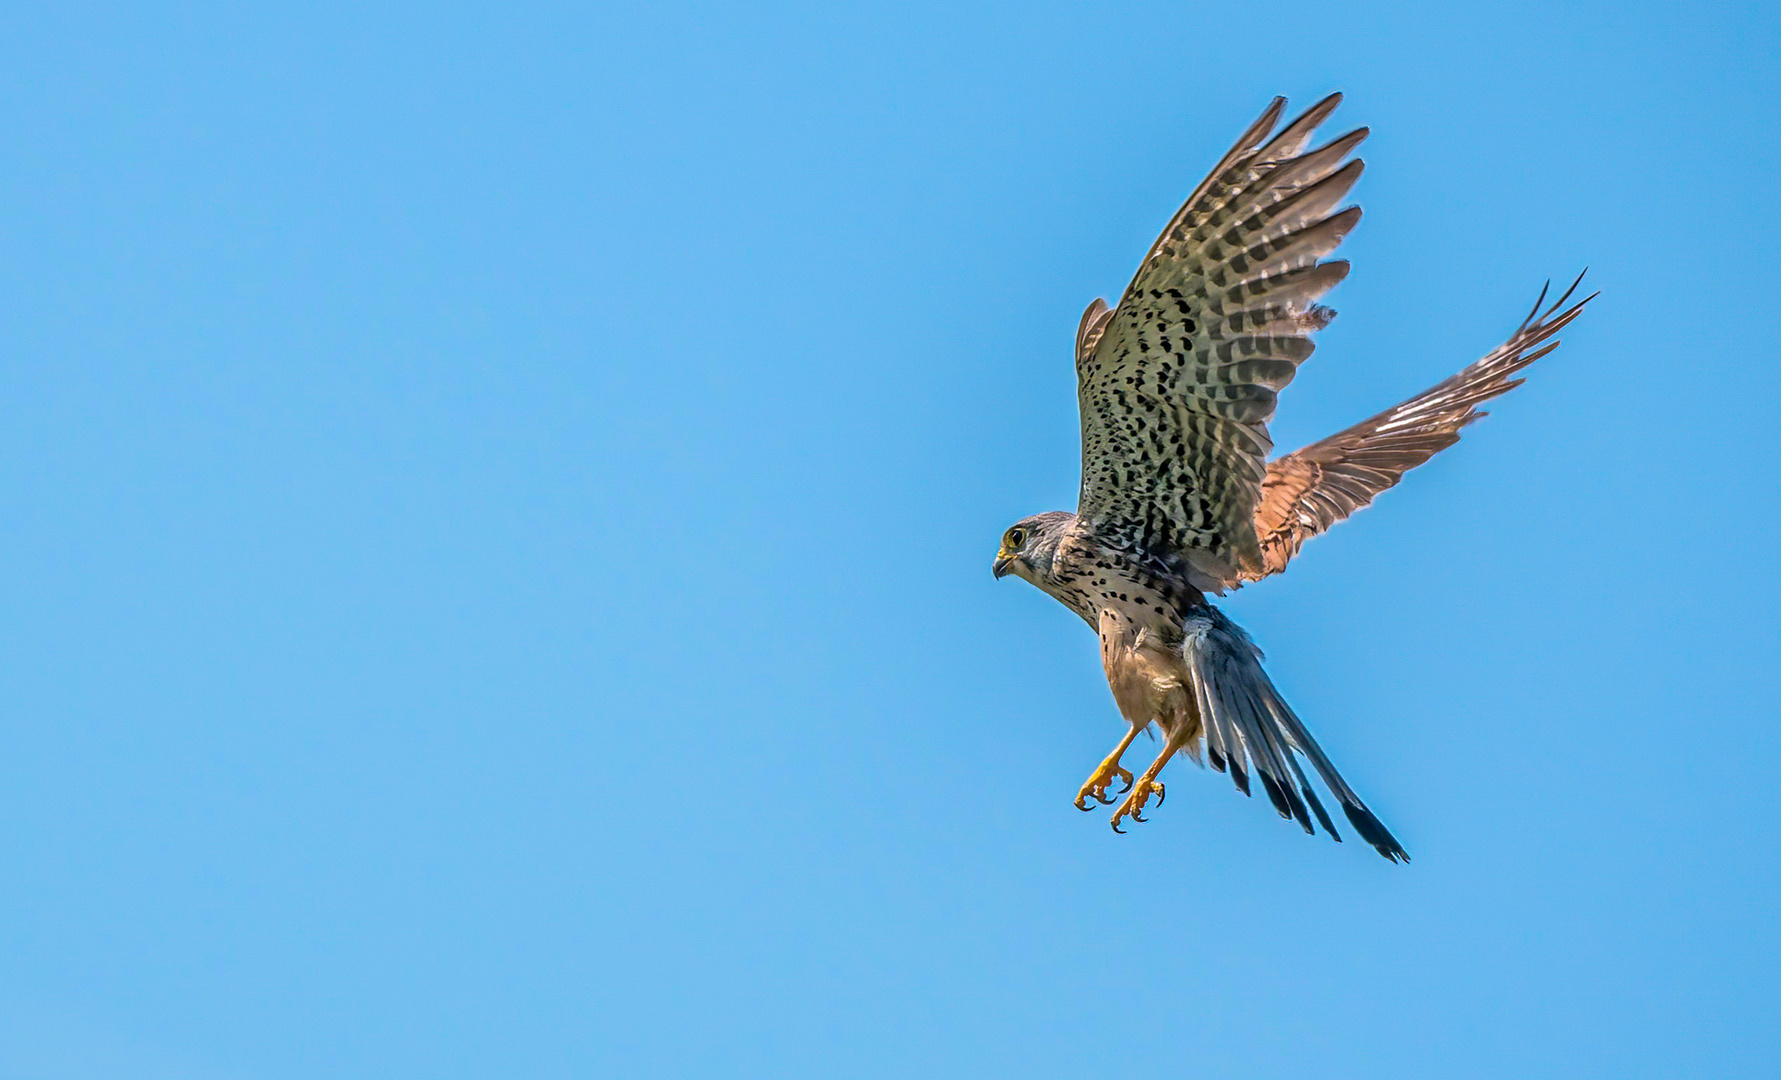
{"x":1177,"y":383}
{"x":1309,"y":490}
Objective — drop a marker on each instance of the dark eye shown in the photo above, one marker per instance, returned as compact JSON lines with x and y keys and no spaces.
{"x":1016,"y":537}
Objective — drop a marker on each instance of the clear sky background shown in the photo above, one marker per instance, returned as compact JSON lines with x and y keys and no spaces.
{"x":497,"y":511}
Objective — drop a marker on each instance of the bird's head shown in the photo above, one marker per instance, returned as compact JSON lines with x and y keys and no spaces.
{"x":1030,"y":544}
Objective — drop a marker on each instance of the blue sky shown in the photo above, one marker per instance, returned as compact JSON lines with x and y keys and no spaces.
{"x":498,"y":512}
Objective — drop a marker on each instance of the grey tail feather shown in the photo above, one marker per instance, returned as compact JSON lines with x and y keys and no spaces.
{"x":1240,"y":778}
{"x":1373,"y":831}
{"x":1323,"y":817}
{"x":1250,"y":728}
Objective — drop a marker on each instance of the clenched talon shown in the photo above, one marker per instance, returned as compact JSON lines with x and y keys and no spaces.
{"x":1134,"y":804}
{"x":1097,"y":784}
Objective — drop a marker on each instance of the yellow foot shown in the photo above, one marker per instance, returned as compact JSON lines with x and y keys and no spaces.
{"x":1133,"y":807}
{"x":1098,"y":783}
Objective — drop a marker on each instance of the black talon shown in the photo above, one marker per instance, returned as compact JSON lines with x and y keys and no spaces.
{"x":1128,"y":785}
{"x":1161,"y":793}
{"x":1080,"y":805}
{"x":1116,"y":827}
{"x":1136,"y":816}
{"x":1106,"y":800}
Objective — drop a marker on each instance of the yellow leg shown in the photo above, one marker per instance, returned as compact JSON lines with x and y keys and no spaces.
{"x":1146,"y":786}
{"x":1098,"y":783}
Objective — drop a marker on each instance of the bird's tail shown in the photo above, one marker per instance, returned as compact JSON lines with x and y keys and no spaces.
{"x":1250,"y":728}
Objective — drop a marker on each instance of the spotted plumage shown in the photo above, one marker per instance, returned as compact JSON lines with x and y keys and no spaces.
{"x":1176,"y":386}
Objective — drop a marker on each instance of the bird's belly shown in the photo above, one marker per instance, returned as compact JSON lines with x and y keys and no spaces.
{"x":1147,"y":674}
{"x":1147,"y":682}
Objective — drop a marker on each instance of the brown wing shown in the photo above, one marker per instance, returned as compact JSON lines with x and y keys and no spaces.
{"x":1177,"y":383}
{"x":1307,"y":491}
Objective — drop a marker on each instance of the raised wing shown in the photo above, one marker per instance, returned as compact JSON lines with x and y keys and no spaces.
{"x":1177,"y":383}
{"x":1307,"y":491}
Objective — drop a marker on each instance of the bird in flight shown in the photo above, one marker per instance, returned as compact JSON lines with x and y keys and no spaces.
{"x":1176,"y":386}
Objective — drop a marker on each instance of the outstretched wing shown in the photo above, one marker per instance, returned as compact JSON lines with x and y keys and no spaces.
{"x":1307,"y":491}
{"x":1177,"y":384}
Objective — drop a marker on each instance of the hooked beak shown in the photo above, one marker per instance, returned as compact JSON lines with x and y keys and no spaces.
{"x":1000,"y":566}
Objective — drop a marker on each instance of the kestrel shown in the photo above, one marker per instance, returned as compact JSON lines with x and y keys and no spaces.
{"x":1176,"y":386}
